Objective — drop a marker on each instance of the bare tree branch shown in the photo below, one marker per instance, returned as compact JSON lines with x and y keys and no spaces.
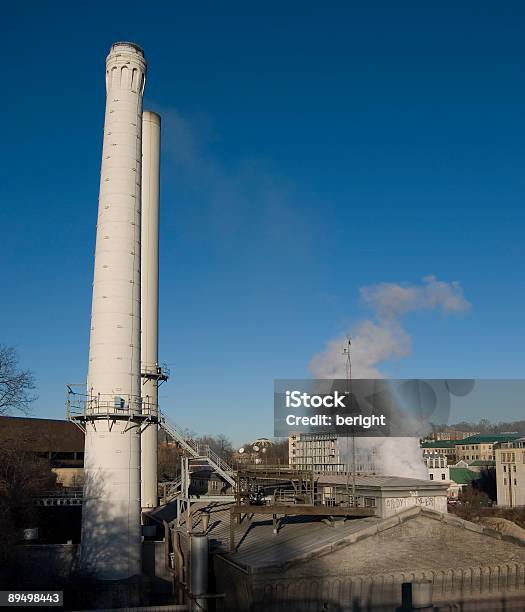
{"x":16,"y":385}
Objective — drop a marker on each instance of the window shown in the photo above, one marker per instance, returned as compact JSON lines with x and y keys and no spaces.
{"x":442,"y":476}
{"x":515,"y":481}
{"x":431,"y":476}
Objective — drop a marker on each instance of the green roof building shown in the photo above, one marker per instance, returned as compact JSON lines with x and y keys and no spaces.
{"x":481,"y":447}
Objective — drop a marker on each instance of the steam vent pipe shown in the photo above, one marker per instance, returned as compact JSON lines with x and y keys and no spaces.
{"x":111,"y":530}
{"x":150,"y":301}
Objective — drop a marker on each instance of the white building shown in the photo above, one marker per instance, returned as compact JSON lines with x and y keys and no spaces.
{"x":329,"y":453}
{"x":317,"y":452}
{"x":437,"y":466}
{"x":510,"y":473}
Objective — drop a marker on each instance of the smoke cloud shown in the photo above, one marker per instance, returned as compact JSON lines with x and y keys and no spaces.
{"x":379,"y":339}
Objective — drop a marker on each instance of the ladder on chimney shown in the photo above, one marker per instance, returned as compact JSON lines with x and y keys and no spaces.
{"x":197,"y":450}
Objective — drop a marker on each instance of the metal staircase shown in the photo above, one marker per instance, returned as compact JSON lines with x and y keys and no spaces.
{"x":170,"y":489}
{"x":197,"y":450}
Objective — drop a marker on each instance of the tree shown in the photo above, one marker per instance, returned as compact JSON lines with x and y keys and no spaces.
{"x":169,"y":456}
{"x":486,"y":483}
{"x":16,"y":385}
{"x":22,"y":476}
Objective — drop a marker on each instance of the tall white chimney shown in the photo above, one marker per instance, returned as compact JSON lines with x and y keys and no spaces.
{"x":111,"y":529}
{"x":150,"y":302}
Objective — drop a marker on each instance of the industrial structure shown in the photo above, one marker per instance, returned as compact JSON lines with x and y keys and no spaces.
{"x":111,"y":519}
{"x":152,"y":373}
{"x":118,"y":411}
{"x":281,"y":537}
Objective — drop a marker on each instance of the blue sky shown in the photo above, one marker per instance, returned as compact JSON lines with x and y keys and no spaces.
{"x":309,"y":150}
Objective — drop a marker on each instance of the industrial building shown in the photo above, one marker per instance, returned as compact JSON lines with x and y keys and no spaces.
{"x":60,"y":443}
{"x":359,"y":564}
{"x":308,"y":536}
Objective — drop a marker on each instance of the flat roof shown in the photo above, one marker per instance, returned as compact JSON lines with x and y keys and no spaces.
{"x":40,"y":435}
{"x":380,"y":482}
{"x":488,"y":439}
{"x":438,"y":444}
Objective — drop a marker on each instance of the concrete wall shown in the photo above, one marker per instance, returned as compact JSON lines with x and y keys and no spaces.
{"x":390,"y":504}
{"x":474,"y":589}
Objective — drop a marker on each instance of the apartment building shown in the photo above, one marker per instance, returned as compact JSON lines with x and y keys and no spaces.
{"x":317,"y":452}
{"x":328,"y":453}
{"x":481,"y":447}
{"x":510,"y":473}
{"x":440,"y":447}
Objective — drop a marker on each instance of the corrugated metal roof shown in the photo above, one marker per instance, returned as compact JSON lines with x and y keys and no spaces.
{"x":257,"y":546}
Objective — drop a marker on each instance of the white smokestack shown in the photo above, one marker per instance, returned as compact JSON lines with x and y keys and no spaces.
{"x":150,"y":300}
{"x":111,"y":531}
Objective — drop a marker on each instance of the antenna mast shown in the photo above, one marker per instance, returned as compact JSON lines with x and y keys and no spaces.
{"x":347,"y":352}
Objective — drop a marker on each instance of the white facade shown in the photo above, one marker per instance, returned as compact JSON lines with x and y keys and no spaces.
{"x":437,"y":466}
{"x":510,"y":473}
{"x":317,"y":452}
{"x":328,"y":453}
{"x":389,"y":494}
{"x":150,"y":301}
{"x":111,"y":530}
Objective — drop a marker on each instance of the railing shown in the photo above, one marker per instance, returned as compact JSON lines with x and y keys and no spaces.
{"x":70,"y":492}
{"x":318,"y":498}
{"x":171,"y":489}
{"x":82,"y":406}
{"x":155,"y":371}
{"x":59,"y":497}
{"x":197,"y":450}
{"x":290,"y":496}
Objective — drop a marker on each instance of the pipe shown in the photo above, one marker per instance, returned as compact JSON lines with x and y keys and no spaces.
{"x":150,"y":302}
{"x":199,"y":569}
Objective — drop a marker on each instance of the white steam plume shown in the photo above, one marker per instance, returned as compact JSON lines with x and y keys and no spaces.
{"x":382,"y":338}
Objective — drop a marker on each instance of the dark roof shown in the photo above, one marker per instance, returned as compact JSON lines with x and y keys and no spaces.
{"x":488,"y":439}
{"x":485,"y":462}
{"x":439,"y":444}
{"x":40,"y":435}
{"x":206,"y":473}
